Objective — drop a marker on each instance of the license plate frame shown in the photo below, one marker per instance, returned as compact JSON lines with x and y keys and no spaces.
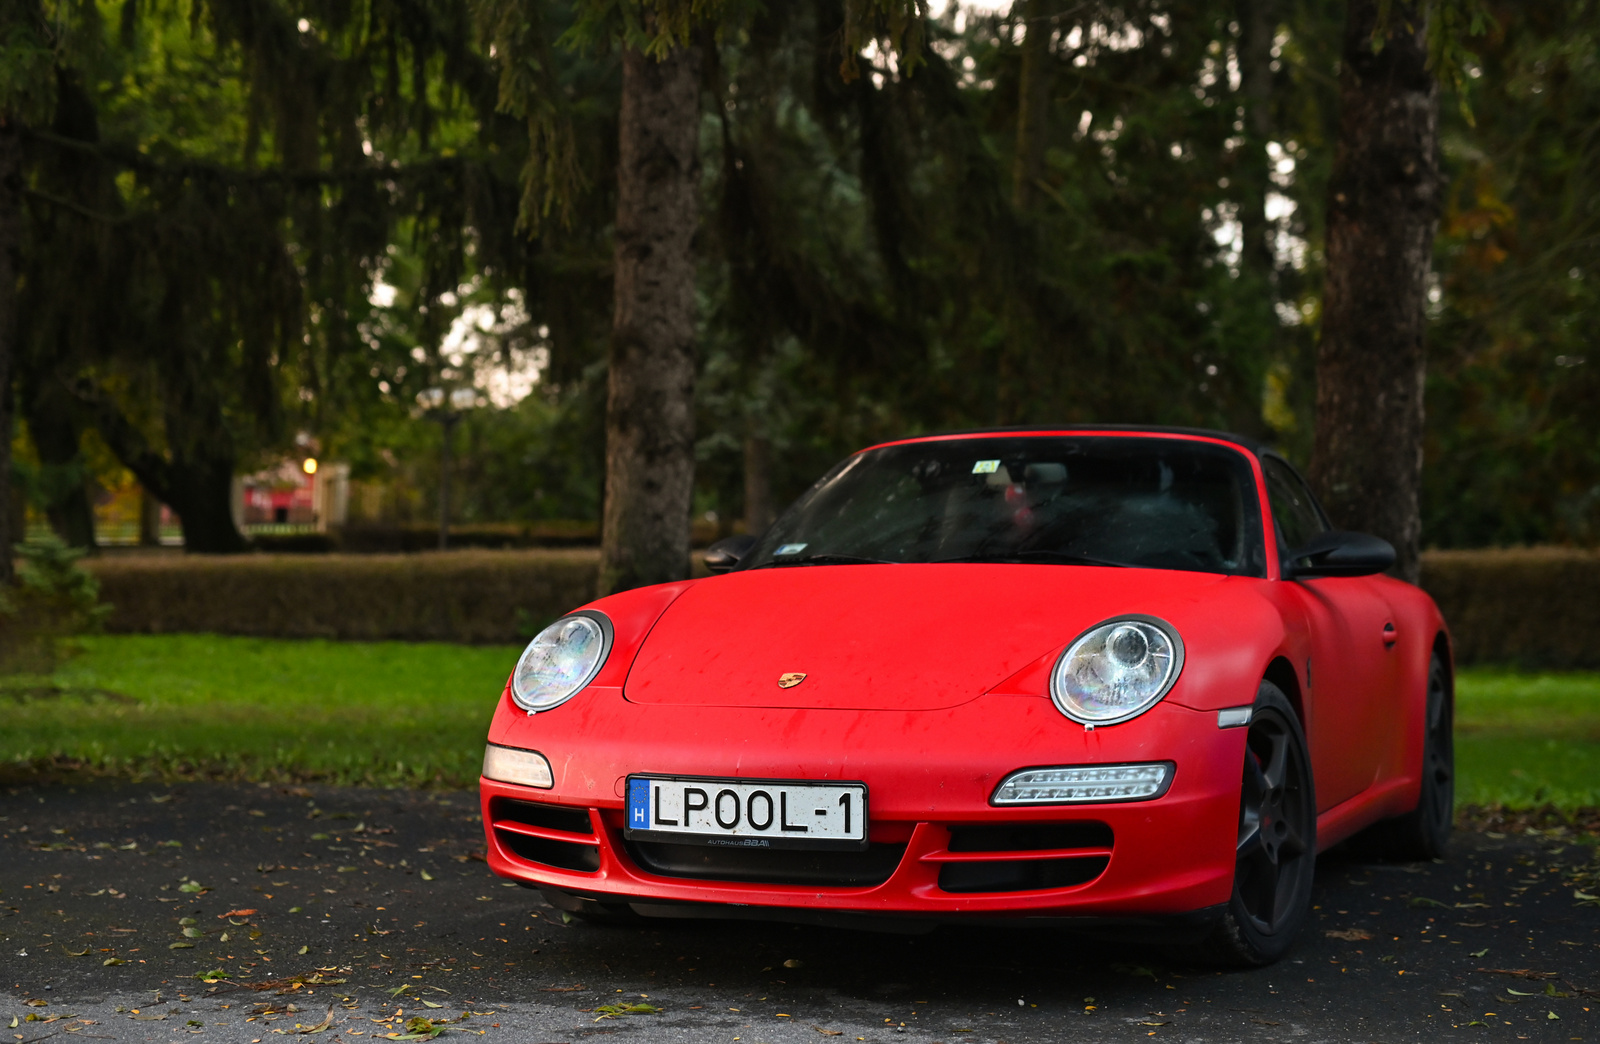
{"x":784,"y":827}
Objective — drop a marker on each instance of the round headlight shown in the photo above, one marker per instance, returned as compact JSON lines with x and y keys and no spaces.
{"x":560,"y":660}
{"x":1117,"y":670}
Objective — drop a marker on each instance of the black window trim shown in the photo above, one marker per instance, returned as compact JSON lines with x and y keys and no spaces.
{"x":1277,"y":531}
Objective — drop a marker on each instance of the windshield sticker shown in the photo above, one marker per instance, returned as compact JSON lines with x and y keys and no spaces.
{"x":790,"y":549}
{"x":986,"y":467}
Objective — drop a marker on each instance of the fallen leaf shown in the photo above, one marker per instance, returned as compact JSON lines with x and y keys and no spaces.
{"x":828,"y":1032}
{"x":427,"y":876}
{"x":1552,"y":1015}
{"x":1422,"y":900}
{"x":429,"y":1004}
{"x":235,"y":913}
{"x":1349,"y":934}
{"x":1480,"y":953}
{"x":180,"y":946}
{"x":304,"y":949}
{"x":612,"y":1011}
{"x":109,"y":961}
{"x":319,"y":1027}
{"x":192,"y":887}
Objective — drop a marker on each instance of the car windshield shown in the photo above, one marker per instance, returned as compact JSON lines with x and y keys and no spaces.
{"x":1152,"y":502}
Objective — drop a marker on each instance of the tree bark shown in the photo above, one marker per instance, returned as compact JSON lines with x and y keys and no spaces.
{"x":56,"y":435}
{"x":650,"y":404}
{"x":1033,"y":103}
{"x":196,"y":482}
{"x":10,"y":234}
{"x":759,"y":510}
{"x":1382,"y":210}
{"x":1257,"y":24}
{"x":149,"y":519}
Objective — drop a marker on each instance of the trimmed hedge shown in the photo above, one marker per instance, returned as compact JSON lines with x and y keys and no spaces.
{"x":453,"y":596}
{"x":1534,"y":607}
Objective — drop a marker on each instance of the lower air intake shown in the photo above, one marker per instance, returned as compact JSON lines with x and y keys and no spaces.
{"x":872,"y":866}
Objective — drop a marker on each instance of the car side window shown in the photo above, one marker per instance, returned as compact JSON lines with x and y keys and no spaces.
{"x":1292,"y":507}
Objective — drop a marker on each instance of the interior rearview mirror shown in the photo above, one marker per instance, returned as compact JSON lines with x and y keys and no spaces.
{"x":1339,"y":553}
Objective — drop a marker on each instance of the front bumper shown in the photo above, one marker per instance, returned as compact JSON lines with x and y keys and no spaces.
{"x":938,"y":848}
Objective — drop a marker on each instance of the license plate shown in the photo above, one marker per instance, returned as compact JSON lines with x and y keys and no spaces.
{"x":747,"y":813}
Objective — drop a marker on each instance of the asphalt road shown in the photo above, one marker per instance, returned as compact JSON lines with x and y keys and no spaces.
{"x":341,"y":915}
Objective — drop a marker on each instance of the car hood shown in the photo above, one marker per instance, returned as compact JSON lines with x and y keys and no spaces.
{"x":880,"y":637}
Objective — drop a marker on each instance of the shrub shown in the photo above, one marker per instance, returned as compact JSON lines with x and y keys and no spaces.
{"x":1534,"y":607}
{"x":52,"y":602}
{"x":458,"y":596}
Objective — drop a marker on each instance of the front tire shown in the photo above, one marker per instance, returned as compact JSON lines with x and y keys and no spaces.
{"x":1276,"y":849}
{"x":1423,"y":832}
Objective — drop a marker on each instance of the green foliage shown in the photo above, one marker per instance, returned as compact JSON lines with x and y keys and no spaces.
{"x":27,"y":61}
{"x":1513,"y":453}
{"x":52,"y":603}
{"x":464,"y":596}
{"x":286,"y":211}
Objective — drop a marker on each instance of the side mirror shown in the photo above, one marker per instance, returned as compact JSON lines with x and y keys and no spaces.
{"x":1339,"y":553}
{"x":725,"y":553}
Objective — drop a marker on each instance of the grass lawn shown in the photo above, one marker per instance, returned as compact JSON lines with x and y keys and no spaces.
{"x":384,"y":713}
{"x":393,"y":713}
{"x":1525,"y":739}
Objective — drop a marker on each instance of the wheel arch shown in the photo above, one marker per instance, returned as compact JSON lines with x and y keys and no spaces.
{"x":1446,"y":655}
{"x":1281,"y":673}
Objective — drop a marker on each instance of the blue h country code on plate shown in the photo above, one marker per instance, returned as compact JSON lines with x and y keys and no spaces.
{"x":639,"y":804}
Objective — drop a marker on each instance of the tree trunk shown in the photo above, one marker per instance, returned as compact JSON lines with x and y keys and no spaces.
{"x":196,"y":482}
{"x":149,"y":519}
{"x":63,"y":472}
{"x":1033,"y":103}
{"x":10,"y":234}
{"x":201,"y":493}
{"x":1382,"y":209}
{"x":650,"y":405}
{"x":759,"y":510}
{"x":1257,"y":24}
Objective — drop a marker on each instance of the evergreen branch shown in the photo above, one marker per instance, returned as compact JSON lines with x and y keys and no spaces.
{"x":76,"y":208}
{"x":132,"y":159}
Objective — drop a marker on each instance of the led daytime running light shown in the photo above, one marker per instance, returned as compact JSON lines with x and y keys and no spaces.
{"x":1071,"y":785}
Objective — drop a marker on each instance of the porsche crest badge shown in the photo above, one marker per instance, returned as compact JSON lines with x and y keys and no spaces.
{"x":790,"y":680}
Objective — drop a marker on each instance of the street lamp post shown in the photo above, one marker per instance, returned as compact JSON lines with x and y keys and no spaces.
{"x":433,"y":400}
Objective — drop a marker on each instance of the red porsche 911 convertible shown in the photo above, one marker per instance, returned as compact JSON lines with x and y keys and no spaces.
{"x":1110,"y":677}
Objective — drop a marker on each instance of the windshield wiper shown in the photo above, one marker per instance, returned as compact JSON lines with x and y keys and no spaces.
{"x":828,"y":559}
{"x":1058,"y":557}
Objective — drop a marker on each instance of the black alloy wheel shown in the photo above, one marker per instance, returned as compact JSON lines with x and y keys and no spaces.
{"x":1276,"y":850}
{"x":1424,"y":832}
